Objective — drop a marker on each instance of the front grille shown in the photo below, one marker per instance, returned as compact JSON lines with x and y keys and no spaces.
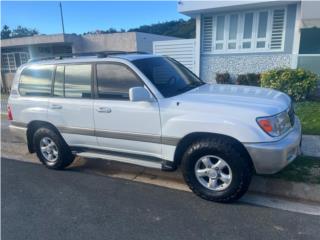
{"x":291,"y":114}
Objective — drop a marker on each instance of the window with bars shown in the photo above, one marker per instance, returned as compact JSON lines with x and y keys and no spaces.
{"x":249,"y":31}
{"x":12,"y":60}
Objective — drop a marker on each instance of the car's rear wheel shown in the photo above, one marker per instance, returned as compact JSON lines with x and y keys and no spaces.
{"x":216,"y":170}
{"x":51,"y":150}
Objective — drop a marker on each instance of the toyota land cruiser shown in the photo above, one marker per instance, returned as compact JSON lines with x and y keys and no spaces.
{"x":152,"y":111}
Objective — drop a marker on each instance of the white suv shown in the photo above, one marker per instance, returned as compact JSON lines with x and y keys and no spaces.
{"x":152,"y":111}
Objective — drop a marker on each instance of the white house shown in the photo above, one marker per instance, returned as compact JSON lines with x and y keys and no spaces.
{"x":254,"y":36}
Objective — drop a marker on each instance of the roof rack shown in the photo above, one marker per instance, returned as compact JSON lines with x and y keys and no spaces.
{"x":103,"y":54}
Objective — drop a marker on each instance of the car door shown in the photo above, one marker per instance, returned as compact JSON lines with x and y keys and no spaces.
{"x":122,"y":125}
{"x":71,"y":106}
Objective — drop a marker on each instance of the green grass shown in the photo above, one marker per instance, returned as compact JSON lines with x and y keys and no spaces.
{"x":309,"y":115}
{"x":303,"y":169}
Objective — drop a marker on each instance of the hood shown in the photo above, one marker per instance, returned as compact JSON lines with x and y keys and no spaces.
{"x":263,"y":101}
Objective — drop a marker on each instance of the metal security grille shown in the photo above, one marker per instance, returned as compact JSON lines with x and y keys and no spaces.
{"x":277,"y":28}
{"x":207,"y":34}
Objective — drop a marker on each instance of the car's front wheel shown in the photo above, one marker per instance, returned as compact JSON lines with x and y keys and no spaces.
{"x":216,"y":170}
{"x":51,"y":150}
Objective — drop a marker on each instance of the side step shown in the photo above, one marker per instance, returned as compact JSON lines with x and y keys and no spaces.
{"x":125,"y":159}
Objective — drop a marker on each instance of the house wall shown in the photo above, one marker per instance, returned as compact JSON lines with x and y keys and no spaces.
{"x":6,"y":81}
{"x":240,"y":63}
{"x":48,"y":50}
{"x":310,"y":16}
{"x":36,"y":39}
{"x":128,"y":41}
{"x":105,"y":42}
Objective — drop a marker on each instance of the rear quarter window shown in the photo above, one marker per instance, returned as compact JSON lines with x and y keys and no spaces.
{"x":36,"y":80}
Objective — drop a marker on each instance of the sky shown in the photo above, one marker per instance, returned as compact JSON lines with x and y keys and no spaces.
{"x":81,"y":16}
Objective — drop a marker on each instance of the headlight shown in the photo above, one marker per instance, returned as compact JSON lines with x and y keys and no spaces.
{"x":275,"y":125}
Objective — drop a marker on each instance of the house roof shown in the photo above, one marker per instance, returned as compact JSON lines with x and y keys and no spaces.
{"x":193,"y":8}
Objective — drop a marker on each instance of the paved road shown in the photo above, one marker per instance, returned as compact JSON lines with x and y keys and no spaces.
{"x":38,"y":203}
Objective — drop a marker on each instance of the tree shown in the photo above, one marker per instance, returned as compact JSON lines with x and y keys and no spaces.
{"x":23,"y":32}
{"x":5,"y":32}
{"x":177,"y":28}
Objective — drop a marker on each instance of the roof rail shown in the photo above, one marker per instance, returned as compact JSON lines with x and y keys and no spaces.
{"x":102,"y":54}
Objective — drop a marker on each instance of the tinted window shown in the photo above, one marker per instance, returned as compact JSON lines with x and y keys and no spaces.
{"x":169,"y":76}
{"x":114,"y":81}
{"x":58,"y":82}
{"x":36,"y":80}
{"x":78,"y":81}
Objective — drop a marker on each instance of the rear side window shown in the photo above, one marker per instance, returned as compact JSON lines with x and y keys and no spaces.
{"x":114,"y":81}
{"x":77,"y":81}
{"x":36,"y":80}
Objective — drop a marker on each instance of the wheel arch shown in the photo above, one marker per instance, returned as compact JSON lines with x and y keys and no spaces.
{"x":33,"y":126}
{"x":187,"y":140}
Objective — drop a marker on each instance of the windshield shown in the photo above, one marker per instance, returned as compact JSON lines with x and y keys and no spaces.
{"x":169,"y":76}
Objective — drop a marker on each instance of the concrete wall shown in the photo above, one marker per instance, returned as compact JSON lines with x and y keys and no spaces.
{"x":37,"y":39}
{"x":105,"y":42}
{"x":310,"y":13}
{"x":6,"y":81}
{"x":129,"y":41}
{"x":35,"y":50}
{"x":240,"y":64}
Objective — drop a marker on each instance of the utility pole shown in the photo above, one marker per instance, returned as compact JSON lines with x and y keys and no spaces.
{"x":61,"y":18}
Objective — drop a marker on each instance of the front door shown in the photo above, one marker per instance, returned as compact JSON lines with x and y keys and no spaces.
{"x":122,"y":125}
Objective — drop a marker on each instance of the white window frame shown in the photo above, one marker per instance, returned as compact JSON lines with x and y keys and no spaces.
{"x":240,"y":31}
{"x":214,"y":40}
{"x":241,"y":39}
{"x":236,"y":41}
{"x":267,"y":38}
{"x":9,"y":67}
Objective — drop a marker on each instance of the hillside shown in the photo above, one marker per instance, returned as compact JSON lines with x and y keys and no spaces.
{"x":179,"y":28}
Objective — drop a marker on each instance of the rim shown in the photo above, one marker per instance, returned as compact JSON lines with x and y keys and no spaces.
{"x":213,"y":173}
{"x":49,"y":150}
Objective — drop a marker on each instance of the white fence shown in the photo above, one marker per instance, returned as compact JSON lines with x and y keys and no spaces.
{"x":181,"y":50}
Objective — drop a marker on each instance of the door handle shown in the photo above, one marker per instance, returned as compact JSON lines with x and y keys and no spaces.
{"x":55,"y":106}
{"x":104,"y":109}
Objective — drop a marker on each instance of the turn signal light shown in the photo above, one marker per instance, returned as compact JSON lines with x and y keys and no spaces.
{"x":9,"y":113}
{"x":266,"y":125}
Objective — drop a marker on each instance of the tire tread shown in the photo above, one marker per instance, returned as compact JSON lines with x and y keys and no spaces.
{"x":225,"y":146}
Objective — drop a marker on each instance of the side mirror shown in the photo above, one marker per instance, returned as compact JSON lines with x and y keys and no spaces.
{"x":140,"y":94}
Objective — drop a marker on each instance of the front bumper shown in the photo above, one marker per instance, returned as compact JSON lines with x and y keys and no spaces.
{"x":271,"y":157}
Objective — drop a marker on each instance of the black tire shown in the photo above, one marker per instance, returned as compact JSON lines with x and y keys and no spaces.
{"x":227,"y":150}
{"x":64,"y":157}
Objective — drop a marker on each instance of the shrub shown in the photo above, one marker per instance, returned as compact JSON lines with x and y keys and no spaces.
{"x":251,"y":79}
{"x":223,"y":78}
{"x":297,"y":83}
